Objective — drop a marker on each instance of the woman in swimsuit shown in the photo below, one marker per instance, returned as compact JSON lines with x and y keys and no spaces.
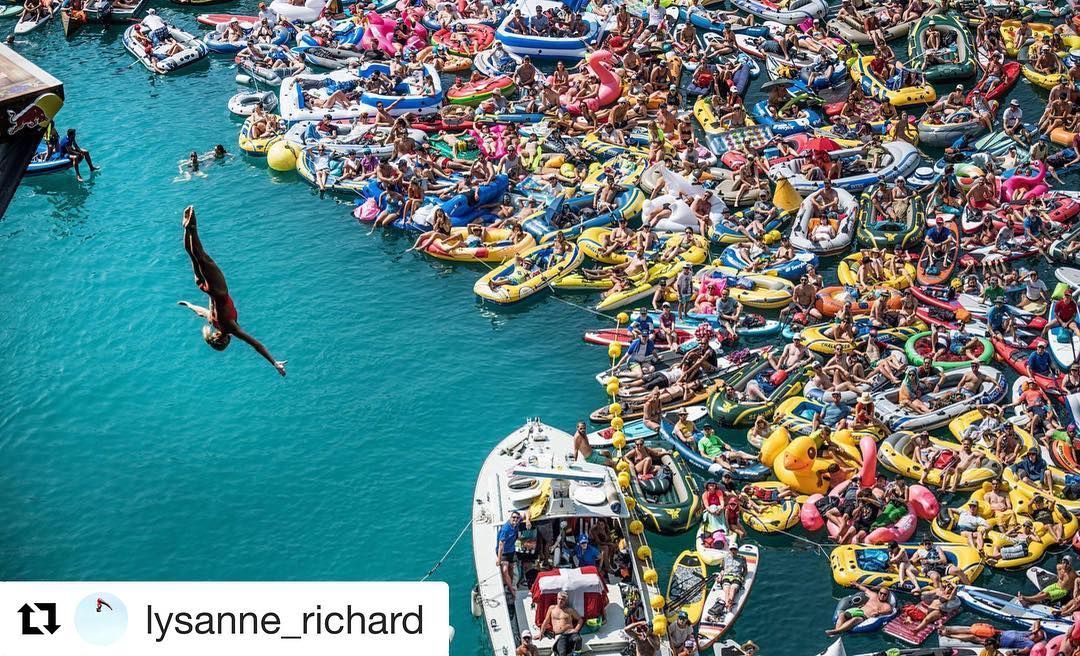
{"x":221,"y":314}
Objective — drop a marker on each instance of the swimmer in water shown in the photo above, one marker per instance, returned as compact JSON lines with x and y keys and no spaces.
{"x":192,"y":166}
{"x":189,"y":168}
{"x":221,"y":314}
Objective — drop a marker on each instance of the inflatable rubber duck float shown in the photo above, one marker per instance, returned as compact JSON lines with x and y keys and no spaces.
{"x":798,"y":464}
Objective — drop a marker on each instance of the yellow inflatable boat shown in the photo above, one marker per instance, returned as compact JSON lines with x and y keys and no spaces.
{"x":1056,"y":493}
{"x":768,"y":516}
{"x":896,"y":454}
{"x":848,"y":273}
{"x":968,"y":424}
{"x":257,"y":147}
{"x":999,"y":524}
{"x":496,"y":245}
{"x":876,"y":88}
{"x":526,"y":274}
{"x":867,"y":564}
{"x":766,"y":292}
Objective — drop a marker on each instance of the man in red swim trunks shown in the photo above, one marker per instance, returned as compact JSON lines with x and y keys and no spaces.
{"x":222,"y":313}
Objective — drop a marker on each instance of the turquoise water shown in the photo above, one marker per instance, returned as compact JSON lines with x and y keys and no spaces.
{"x":132,"y":451}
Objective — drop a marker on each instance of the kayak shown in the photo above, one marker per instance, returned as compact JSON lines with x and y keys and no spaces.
{"x":931,"y":272}
{"x":1010,"y":74}
{"x":1016,"y":357}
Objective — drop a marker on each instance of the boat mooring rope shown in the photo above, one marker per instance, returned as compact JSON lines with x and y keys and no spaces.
{"x":453,"y":544}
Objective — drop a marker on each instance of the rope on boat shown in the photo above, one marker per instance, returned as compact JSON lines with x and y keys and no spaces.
{"x":453,"y":544}
{"x":818,"y":546}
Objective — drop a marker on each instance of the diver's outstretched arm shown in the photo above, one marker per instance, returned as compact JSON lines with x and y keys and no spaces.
{"x":258,"y":346}
{"x":199,"y":310}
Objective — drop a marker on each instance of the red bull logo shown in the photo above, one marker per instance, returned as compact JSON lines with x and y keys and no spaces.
{"x":29,"y":117}
{"x":37,"y":113}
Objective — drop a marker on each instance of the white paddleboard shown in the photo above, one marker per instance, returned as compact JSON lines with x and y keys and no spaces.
{"x":713,"y":625}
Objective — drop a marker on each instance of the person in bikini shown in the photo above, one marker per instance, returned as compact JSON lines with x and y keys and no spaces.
{"x":221,"y":314}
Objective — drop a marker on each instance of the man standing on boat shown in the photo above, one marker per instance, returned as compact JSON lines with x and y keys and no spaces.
{"x":506,"y":549}
{"x":221,"y":314}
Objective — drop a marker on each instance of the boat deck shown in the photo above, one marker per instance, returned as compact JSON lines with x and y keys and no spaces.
{"x":29,"y":99}
{"x":609,"y":638}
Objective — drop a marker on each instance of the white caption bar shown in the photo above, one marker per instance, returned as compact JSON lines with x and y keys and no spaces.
{"x":207,"y":619}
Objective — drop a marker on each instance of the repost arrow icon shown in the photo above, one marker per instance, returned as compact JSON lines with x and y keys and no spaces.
{"x":26,"y":611}
{"x":51,"y":626}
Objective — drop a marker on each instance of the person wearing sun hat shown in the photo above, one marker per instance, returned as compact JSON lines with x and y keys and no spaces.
{"x":1012,"y":119}
{"x":862,"y":417}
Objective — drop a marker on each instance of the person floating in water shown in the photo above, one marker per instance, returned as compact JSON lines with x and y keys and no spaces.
{"x":192,"y":166}
{"x":101,"y":602}
{"x":221,"y":314}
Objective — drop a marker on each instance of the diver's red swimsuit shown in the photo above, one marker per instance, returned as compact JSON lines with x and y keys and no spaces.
{"x":227,"y":311}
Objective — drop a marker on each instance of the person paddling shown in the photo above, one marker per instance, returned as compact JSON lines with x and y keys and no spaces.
{"x":221,"y":314}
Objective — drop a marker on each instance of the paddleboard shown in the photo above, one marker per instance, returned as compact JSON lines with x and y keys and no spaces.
{"x":1069,"y":276}
{"x":717,"y":623}
{"x":1064,"y":343}
{"x":687,"y":587}
{"x":1004,"y":607}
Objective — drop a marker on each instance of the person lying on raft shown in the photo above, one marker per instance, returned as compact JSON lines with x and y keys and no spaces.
{"x":713,"y":448}
{"x":635,"y":265}
{"x":523,"y":269}
{"x":876,"y":605}
{"x":1015,"y":640}
{"x":221,"y":315}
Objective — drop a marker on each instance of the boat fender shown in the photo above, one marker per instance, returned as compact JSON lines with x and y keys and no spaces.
{"x":243,"y":79}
